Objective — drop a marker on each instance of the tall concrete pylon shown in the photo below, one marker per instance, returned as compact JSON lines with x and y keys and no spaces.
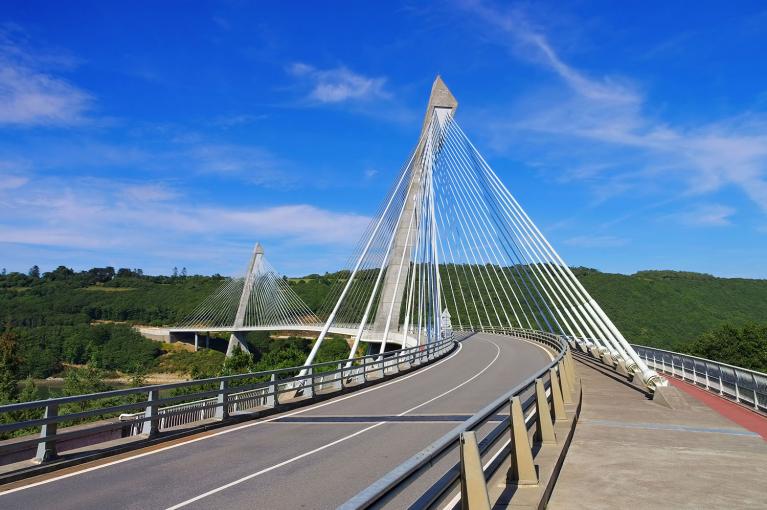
{"x":394,"y":288}
{"x":238,"y":337}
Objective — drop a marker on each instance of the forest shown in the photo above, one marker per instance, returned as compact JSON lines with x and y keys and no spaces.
{"x":65,"y":321}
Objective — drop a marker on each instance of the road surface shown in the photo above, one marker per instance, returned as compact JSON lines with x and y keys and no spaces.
{"x":313,"y":457}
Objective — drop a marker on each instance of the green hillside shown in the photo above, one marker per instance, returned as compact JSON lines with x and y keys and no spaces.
{"x":66,"y":317}
{"x":671,"y":309}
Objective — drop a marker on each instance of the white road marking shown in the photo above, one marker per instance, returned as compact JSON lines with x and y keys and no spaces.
{"x":234,"y":429}
{"x":548,"y":352}
{"x":337,"y":441}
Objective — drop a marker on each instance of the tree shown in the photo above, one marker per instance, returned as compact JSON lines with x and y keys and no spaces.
{"x":60,"y":273}
{"x":743,"y":347}
{"x":175,"y":272}
{"x":124,"y":272}
{"x":9,"y":363}
{"x":30,"y":392}
{"x":34,"y":271}
{"x":101,"y":274}
{"x":183,"y":272}
{"x":4,"y":273}
{"x":238,"y":363}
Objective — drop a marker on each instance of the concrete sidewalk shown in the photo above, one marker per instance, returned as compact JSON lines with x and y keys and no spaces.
{"x":631,"y":452}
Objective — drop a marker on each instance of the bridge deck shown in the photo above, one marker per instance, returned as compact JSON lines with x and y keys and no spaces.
{"x":314,"y":457}
{"x":631,"y":452}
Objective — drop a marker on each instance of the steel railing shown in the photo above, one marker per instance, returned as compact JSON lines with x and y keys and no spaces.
{"x":426,"y":462}
{"x":202,"y":399}
{"x":742,"y":385}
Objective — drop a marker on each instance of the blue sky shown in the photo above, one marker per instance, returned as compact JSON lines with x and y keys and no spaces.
{"x":161,"y":134}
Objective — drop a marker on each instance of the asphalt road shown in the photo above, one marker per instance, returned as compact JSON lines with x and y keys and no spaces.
{"x":313,"y":457}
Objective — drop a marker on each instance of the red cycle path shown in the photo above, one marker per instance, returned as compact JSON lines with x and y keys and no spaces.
{"x":743,"y":416}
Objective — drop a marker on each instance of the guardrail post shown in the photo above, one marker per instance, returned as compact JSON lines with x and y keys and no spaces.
{"x":556,"y":397}
{"x":473,"y":486}
{"x":708,"y":383}
{"x":756,"y":394}
{"x":271,"y":400}
{"x":151,"y":426}
{"x":340,"y":376}
{"x":522,"y":471}
{"x":564,"y":379}
{"x":309,"y":388}
{"x":571,"y":366}
{"x":222,"y":400}
{"x":46,"y":449}
{"x":544,"y":432}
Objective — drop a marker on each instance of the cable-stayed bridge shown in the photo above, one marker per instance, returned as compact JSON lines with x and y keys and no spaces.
{"x":450,"y":247}
{"x":484,"y":353}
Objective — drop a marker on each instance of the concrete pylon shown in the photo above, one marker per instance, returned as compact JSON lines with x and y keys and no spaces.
{"x":238,"y":337}
{"x":394,"y":289}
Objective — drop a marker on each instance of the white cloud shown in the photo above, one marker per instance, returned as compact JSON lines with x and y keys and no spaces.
{"x":610,"y":112}
{"x":31,"y":95}
{"x":339,"y":85}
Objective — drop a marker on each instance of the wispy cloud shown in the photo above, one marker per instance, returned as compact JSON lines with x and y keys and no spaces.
{"x":31,"y":94}
{"x":611,"y":112}
{"x":253,"y":164}
{"x":113,"y":216}
{"x":596,"y":241}
{"x":339,"y":84}
{"x":707,"y":215}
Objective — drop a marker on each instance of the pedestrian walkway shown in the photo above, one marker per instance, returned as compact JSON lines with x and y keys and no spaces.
{"x":629,"y":451}
{"x":740,"y":414}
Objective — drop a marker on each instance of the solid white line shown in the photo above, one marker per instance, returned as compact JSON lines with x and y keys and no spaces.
{"x":337,"y":441}
{"x":234,"y":429}
{"x":532,"y":342}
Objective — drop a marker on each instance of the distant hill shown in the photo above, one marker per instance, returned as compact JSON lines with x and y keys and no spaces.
{"x":671,"y":309}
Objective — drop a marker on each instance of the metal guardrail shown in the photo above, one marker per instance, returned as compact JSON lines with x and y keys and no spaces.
{"x":213,"y":398}
{"x":552,"y":379}
{"x":742,"y":385}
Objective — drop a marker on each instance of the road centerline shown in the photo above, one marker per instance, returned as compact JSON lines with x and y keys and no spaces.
{"x":337,"y":441}
{"x":234,"y":428}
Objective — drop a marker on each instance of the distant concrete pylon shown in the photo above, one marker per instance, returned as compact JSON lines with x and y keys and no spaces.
{"x":238,"y":337}
{"x":394,"y":287}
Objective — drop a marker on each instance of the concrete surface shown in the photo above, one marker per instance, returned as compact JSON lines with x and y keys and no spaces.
{"x":631,"y":452}
{"x":314,"y":457}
